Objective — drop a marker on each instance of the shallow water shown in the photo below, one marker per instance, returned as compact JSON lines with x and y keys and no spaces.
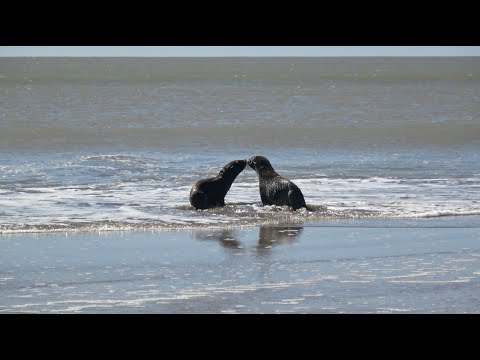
{"x":116,"y":144}
{"x":351,"y":266}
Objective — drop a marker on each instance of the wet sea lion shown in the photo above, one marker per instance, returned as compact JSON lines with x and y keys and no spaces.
{"x":209,"y":193}
{"x":274,"y":189}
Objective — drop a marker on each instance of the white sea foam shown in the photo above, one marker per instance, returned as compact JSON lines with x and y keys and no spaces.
{"x":154,"y":205}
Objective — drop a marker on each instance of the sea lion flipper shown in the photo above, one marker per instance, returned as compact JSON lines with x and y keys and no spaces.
{"x":265,"y":200}
{"x":198,"y":199}
{"x":295,"y":198}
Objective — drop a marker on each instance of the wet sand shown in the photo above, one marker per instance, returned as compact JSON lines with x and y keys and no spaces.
{"x":404,"y":266}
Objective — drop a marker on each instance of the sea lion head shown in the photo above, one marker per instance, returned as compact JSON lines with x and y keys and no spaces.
{"x":260,"y":164}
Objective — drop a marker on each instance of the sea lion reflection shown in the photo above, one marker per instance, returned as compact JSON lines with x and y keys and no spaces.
{"x":268,"y":236}
{"x":272,"y":236}
{"x":224,"y":237}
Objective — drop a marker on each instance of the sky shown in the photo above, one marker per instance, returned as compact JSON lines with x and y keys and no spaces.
{"x":234,"y":51}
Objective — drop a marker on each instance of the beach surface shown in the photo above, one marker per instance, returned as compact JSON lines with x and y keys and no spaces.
{"x":361,"y":266}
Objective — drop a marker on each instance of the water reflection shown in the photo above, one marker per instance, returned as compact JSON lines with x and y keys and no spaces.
{"x":224,"y":237}
{"x":268,"y":237}
{"x":272,"y":236}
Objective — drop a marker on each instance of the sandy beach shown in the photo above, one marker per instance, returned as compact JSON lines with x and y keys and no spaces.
{"x":367,"y":266}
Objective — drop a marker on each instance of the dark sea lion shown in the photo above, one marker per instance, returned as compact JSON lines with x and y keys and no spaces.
{"x":274,"y":189}
{"x":209,"y":193}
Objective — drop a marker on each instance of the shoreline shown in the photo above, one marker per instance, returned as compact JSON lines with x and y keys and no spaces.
{"x":470,"y":221}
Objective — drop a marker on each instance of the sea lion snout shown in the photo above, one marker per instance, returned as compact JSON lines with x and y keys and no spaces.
{"x":252,"y":162}
{"x":241,"y":163}
{"x":236,"y":164}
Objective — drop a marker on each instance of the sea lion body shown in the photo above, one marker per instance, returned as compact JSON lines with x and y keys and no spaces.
{"x":275,"y":189}
{"x":211,"y":192}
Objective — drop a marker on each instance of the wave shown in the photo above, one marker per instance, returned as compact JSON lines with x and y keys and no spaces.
{"x":147,"y":205}
{"x":223,"y":219}
{"x":286,"y":135}
{"x":235,"y":70}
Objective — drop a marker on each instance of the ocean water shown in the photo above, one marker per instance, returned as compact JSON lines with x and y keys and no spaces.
{"x":91,"y":144}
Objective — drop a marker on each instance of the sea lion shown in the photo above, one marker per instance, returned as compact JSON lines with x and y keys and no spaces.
{"x":274,"y":189}
{"x":209,"y":193}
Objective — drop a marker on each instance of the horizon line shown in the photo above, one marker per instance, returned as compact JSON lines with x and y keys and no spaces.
{"x":239,"y":51}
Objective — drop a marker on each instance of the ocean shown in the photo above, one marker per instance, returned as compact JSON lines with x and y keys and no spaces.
{"x":116,"y":143}
{"x":98,"y":146}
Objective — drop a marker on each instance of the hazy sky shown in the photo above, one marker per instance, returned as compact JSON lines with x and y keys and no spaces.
{"x":251,"y":51}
